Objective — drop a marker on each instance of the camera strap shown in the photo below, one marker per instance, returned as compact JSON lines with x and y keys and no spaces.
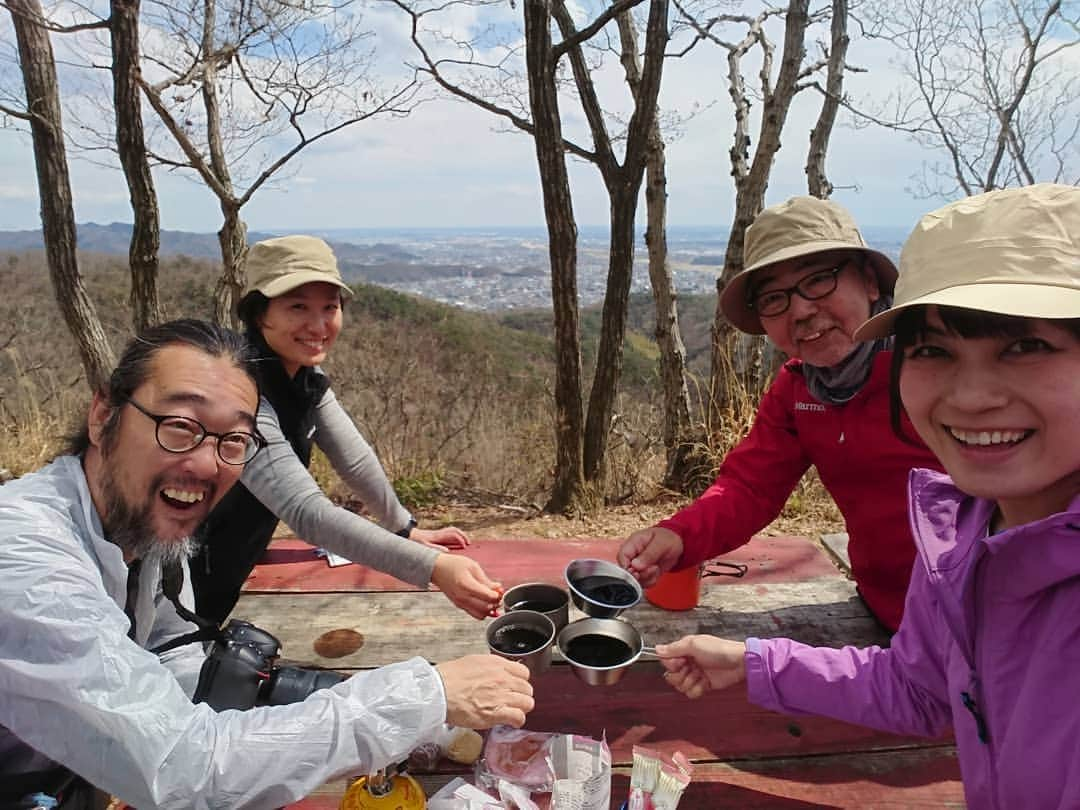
{"x":172,"y":582}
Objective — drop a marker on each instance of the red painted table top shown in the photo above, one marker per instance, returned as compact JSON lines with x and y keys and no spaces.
{"x":290,"y":565}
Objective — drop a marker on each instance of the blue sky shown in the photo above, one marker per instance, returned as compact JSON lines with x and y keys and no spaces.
{"x":446,"y":165}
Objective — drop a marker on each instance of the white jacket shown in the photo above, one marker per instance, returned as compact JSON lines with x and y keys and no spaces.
{"x":75,"y":688}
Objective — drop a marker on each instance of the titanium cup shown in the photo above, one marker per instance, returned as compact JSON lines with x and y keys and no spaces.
{"x":524,"y":636}
{"x":599,"y":651}
{"x":551,"y":600}
{"x":601,"y":589}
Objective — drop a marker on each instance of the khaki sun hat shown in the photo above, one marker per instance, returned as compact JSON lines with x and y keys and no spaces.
{"x":275,"y":266}
{"x":1012,"y":252}
{"x":798,"y":227}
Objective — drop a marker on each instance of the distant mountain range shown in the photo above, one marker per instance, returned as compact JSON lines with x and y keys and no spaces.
{"x":115,"y":238}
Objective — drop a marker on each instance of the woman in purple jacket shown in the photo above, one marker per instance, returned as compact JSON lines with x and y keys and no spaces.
{"x":987,"y":324}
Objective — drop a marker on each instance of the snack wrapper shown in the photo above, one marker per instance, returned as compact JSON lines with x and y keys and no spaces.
{"x":575,"y":770}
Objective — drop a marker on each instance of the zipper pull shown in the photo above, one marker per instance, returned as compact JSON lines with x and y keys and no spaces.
{"x":980,"y":721}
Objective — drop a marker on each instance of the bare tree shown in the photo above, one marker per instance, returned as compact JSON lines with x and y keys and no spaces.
{"x":131,"y":149}
{"x":751,"y":172}
{"x":987,"y":87}
{"x":817,"y":179}
{"x":678,"y":432}
{"x":43,"y":114}
{"x":243,"y":88}
{"x":579,"y":452}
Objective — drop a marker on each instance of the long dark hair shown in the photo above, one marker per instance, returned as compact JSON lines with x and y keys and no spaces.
{"x":135,"y":363}
{"x":910,"y":328}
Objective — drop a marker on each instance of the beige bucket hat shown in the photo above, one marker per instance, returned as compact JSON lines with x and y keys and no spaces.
{"x":798,"y":227}
{"x":275,"y":266}
{"x":1013,"y":252}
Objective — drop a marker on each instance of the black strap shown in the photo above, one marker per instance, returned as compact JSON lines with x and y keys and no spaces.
{"x":172,"y":582}
{"x":134,"y":569}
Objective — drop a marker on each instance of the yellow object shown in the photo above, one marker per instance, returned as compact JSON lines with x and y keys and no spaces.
{"x":404,"y":793}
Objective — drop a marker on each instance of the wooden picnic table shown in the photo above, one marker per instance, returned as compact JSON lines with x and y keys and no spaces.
{"x":351,"y":618}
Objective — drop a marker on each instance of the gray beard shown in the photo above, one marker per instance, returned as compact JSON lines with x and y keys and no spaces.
{"x":128,"y":526}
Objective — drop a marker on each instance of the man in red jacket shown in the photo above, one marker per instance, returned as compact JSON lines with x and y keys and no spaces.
{"x":810,"y":281}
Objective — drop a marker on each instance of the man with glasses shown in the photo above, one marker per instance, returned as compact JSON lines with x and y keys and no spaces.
{"x":83,"y":543}
{"x":810,"y":281}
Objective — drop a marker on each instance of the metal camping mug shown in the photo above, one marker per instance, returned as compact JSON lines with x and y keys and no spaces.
{"x":551,"y":600}
{"x":524,"y":636}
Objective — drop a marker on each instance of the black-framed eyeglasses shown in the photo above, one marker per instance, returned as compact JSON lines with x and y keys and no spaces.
{"x":817,"y":285}
{"x":181,"y":434}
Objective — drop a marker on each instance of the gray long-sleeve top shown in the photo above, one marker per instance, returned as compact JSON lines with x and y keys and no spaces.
{"x":284,"y":485}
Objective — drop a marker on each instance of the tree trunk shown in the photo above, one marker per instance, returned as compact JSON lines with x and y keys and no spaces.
{"x":54,"y":188}
{"x":623,"y":183}
{"x":569,"y":492}
{"x":816,"y":178}
{"x":233,"y":240}
{"x":676,"y":396}
{"x":678,"y":434}
{"x":613,"y":326}
{"x":131,"y":147}
{"x":750,"y":187}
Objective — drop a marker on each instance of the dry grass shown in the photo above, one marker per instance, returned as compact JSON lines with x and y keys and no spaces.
{"x":462,"y":420}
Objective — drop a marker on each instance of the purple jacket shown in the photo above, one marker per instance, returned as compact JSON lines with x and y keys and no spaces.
{"x":990,"y":642}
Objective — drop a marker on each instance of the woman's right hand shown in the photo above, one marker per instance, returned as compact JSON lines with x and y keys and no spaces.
{"x":466,"y":585}
{"x":698,"y":664}
{"x":649,"y":553}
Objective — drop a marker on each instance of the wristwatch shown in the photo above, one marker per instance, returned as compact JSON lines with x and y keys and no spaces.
{"x":408,"y":528}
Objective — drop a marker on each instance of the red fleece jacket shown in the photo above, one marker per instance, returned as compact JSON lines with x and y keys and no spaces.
{"x":862,"y":463}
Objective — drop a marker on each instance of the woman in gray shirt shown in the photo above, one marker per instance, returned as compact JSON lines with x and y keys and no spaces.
{"x":292,"y":309}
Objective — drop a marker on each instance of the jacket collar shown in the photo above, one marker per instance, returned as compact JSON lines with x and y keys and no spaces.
{"x":949,"y":526}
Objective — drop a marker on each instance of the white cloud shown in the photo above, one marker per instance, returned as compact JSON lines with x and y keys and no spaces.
{"x":448,"y":163}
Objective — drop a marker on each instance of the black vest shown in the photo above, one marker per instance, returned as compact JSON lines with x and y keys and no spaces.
{"x":239,"y":528}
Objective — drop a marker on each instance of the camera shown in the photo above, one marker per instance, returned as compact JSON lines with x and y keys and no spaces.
{"x":241,"y":671}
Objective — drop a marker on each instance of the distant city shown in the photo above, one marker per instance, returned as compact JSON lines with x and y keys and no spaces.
{"x":507,"y":268}
{"x":474,"y":268}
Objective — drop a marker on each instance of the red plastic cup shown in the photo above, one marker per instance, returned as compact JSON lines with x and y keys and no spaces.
{"x":676,"y":590}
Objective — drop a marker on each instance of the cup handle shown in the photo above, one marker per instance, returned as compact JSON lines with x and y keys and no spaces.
{"x":736,"y":569}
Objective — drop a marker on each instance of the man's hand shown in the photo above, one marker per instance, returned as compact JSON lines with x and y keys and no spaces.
{"x":447,"y":537}
{"x":649,"y":553}
{"x":466,"y":585}
{"x":484,"y":691}
{"x":698,"y":664}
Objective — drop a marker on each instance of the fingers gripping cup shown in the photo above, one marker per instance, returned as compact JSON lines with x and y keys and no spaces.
{"x":524,"y":636}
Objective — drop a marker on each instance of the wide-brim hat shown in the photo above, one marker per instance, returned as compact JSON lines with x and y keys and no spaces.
{"x":1014,"y":251}
{"x":276,"y":266}
{"x":797,"y":227}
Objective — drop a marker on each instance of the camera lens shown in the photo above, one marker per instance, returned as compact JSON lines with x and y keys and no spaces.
{"x":292,"y":684}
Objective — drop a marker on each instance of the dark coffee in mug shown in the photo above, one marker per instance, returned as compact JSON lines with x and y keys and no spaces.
{"x":516,"y":639}
{"x":596,"y":650}
{"x":607,"y":590}
{"x":538,"y":605}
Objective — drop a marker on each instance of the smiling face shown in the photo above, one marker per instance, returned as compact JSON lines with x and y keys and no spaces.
{"x":1000,"y":412}
{"x":302,"y":324}
{"x":151,"y":500}
{"x":819,"y":332}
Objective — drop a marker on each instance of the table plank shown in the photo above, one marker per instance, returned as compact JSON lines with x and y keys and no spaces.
{"x":290,"y":564}
{"x":394,"y":626}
